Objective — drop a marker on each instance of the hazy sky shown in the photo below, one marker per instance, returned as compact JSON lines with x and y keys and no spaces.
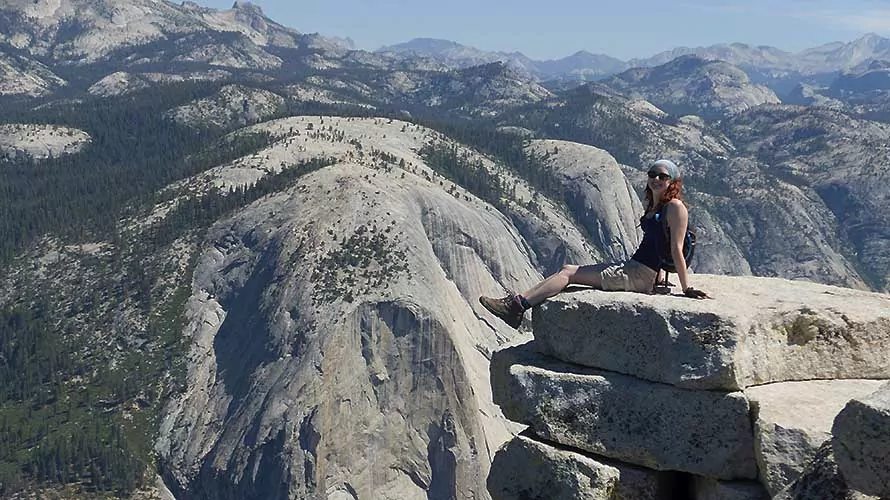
{"x":550,"y":29}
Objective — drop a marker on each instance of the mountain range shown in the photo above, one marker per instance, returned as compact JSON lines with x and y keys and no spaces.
{"x":81,"y":33}
{"x":245,"y":261}
{"x":766,"y":62}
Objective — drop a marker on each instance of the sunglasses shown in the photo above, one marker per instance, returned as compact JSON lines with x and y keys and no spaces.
{"x":660,"y":175}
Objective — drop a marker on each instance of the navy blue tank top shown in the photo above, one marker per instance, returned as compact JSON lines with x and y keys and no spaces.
{"x":648,"y":253}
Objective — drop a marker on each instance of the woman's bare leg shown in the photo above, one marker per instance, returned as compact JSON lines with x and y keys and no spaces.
{"x":557,"y":282}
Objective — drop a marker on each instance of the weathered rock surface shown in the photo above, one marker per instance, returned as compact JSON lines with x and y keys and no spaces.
{"x":821,"y":480}
{"x":861,"y":442}
{"x":122,"y":82}
{"x":526,"y":468}
{"x":808,"y":95}
{"x":232,"y":107}
{"x":338,"y":384}
{"x":781,"y":226}
{"x":26,"y":77}
{"x":755,"y":331}
{"x":793,"y":419}
{"x":597,"y":192}
{"x":39,"y":141}
{"x":549,"y":232}
{"x":831,"y":158}
{"x":301,"y":358}
{"x":312,"y":374}
{"x":770,"y":432}
{"x":643,"y":423}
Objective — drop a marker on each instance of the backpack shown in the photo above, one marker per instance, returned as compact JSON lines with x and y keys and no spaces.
{"x":664,"y":253}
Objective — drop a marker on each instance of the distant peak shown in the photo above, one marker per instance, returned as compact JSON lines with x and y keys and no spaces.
{"x":687,"y":59}
{"x":423,"y":45}
{"x":583,"y":54}
{"x":434,"y":42}
{"x":870,"y":38}
{"x":242,"y":5}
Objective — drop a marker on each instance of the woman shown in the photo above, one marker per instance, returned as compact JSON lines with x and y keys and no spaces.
{"x":639,"y":274}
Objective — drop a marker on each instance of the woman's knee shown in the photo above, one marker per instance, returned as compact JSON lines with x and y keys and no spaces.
{"x":590,"y":275}
{"x":568,"y":271}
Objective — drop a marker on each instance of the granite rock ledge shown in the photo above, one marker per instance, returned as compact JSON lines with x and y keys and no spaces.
{"x":755,"y":331}
{"x":731,"y":398}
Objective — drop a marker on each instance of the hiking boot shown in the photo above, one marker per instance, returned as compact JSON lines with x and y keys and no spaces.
{"x":506,"y":308}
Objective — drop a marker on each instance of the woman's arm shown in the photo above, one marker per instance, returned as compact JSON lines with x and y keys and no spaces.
{"x":678,"y":221}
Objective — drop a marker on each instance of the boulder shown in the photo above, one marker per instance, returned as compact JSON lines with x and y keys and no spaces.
{"x":793,"y":419}
{"x":525,"y":469}
{"x":658,"y":426}
{"x":861,"y":440}
{"x":821,"y":480}
{"x":755,"y":331}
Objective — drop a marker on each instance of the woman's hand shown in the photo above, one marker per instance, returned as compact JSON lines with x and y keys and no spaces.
{"x":695,"y":294}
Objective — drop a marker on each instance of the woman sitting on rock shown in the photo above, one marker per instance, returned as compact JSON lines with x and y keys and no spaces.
{"x":663,"y":196}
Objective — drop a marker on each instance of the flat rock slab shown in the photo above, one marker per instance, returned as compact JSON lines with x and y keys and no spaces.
{"x":658,"y":426}
{"x":862,"y":442}
{"x":793,"y":419}
{"x":755,"y":331}
{"x":527,"y":469}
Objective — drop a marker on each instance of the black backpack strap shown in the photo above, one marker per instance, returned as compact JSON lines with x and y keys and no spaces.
{"x":662,"y":216}
{"x":664,"y":250}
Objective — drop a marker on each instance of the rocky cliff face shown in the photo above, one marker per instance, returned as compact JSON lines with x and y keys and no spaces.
{"x":85,"y":31}
{"x":598,"y":194}
{"x":313,"y":373}
{"x":864,"y":92}
{"x":22,"y":76}
{"x":663,"y":397}
{"x":691,"y":85}
{"x":338,"y":348}
{"x":834,"y":156}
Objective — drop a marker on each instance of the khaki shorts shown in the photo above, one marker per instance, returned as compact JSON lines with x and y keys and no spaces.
{"x":630,"y":276}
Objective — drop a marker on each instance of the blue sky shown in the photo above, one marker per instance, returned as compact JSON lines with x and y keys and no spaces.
{"x":550,"y":29}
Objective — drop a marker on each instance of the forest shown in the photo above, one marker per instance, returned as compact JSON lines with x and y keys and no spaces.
{"x":61,"y":417}
{"x":69,"y":415}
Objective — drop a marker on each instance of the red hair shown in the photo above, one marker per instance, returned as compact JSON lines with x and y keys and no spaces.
{"x":673,"y":191}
